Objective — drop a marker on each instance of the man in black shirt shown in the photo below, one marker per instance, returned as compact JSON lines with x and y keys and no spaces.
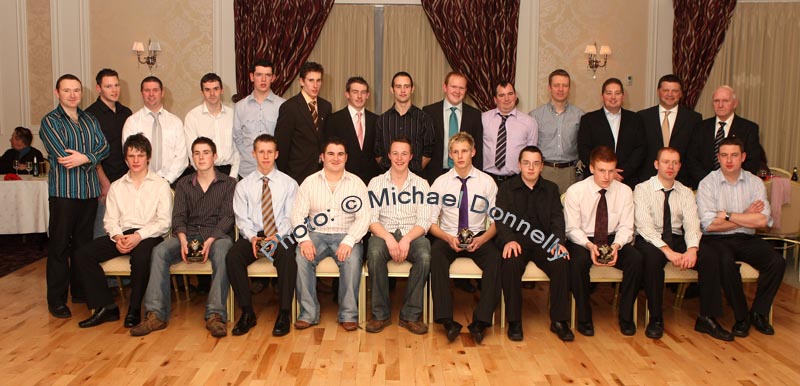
{"x":21,"y":150}
{"x":532,"y":229}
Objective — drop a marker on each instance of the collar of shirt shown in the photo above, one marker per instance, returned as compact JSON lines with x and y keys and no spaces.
{"x":149,"y":176}
{"x":472,"y":173}
{"x":655,"y":184}
{"x":447,"y":106}
{"x":217,"y":177}
{"x":672,"y":111}
{"x":610,"y":114}
{"x":553,"y":107}
{"x":270,"y":97}
{"x":728,"y":123}
{"x":64,"y":114}
{"x":387,"y":177}
{"x":104,"y":107}
{"x":223,"y":110}
{"x":307,"y":97}
{"x":722,"y":180}
{"x":353,"y":112}
{"x":322,"y":176}
{"x":512,"y":113}
{"x":147,"y":111}
{"x":596,"y":188}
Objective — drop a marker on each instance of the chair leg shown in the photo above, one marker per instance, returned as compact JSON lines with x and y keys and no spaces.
{"x":572,"y":311}
{"x":295,"y":308}
{"x":175,"y":287}
{"x":121,"y":288}
{"x":425,"y":315}
{"x":362,"y":298}
{"x":615,"y":302}
{"x":635,"y":311}
{"x":646,"y":313}
{"x":186,"y":286}
{"x":502,"y":310}
{"x":231,"y":308}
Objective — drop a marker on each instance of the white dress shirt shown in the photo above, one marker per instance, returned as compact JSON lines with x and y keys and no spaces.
{"x":716,"y":194}
{"x":173,"y":144}
{"x":315,"y":197}
{"x":580,"y":211}
{"x":446,"y":213}
{"x":648,"y":198}
{"x":147,"y":208}
{"x":247,"y":202}
{"x":613,"y":121}
{"x":200,"y":122}
{"x":405,"y":213}
{"x":728,"y":123}
{"x":673,"y":113}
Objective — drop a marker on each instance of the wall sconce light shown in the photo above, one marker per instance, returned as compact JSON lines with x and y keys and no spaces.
{"x":153,"y":49}
{"x":594,"y":57}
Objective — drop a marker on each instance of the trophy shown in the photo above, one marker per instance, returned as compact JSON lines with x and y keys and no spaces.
{"x":465,"y":237}
{"x":606,"y":254}
{"x":263,"y":249}
{"x":195,"y":253}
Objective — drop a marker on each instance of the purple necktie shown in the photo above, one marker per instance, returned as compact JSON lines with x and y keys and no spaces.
{"x":463,"y":215}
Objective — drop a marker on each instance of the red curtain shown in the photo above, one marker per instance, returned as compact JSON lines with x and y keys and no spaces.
{"x":697,"y":36}
{"x":479,"y":39}
{"x":282,"y":31}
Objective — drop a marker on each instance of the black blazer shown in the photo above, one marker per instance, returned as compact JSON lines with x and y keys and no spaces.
{"x":682,"y":133}
{"x":470,"y":123}
{"x":298,"y":141}
{"x":701,"y":153}
{"x":360,"y":162}
{"x":595,"y":131}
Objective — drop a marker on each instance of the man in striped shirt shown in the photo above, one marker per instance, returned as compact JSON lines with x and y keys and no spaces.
{"x":398,"y":230}
{"x":663,"y":200}
{"x":76,"y":146}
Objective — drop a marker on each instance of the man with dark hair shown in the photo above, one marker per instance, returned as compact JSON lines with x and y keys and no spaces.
{"x":163,"y":129}
{"x":536,"y":203}
{"x":203,"y":211}
{"x":599,"y":212}
{"x":255,"y":114}
{"x":75,"y":145}
{"x":301,"y":125}
{"x":20,"y":151}
{"x":355,"y":126}
{"x":732,"y":203}
{"x":212,"y":119}
{"x":111,"y":114}
{"x":449,"y":116}
{"x":505,"y":132}
{"x":406,"y":119}
{"x":615,"y":127}
{"x":668,"y":124}
{"x":558,"y":122}
{"x":138,"y":209}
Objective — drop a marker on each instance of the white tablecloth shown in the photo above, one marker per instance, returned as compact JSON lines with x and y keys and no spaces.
{"x":24,"y":208}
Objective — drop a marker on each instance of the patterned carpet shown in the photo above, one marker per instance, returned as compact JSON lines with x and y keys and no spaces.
{"x":17,"y":251}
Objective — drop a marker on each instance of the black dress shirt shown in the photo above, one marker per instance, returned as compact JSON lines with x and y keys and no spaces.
{"x":414,"y":125}
{"x":111,"y":124}
{"x":540,"y":206}
{"x":209,"y":213}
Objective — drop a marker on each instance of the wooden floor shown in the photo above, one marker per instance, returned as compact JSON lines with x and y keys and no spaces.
{"x":40,"y":350}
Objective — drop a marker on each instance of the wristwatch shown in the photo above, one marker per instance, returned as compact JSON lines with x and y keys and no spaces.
{"x":727,"y":216}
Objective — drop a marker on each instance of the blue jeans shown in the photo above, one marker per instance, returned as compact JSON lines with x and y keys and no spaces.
{"x":349,"y":278}
{"x":168,"y":252}
{"x":419,"y":254}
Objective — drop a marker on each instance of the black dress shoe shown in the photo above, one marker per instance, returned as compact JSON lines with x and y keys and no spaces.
{"x":60,"y":311}
{"x":281,"y":324}
{"x":761,"y":323}
{"x":741,"y":328}
{"x":586,"y":328}
{"x":133,"y":318}
{"x":477,"y":330}
{"x":627,"y":328}
{"x":515,"y":331}
{"x":452,"y":330}
{"x":709,"y":325}
{"x":100,"y":316}
{"x":655,"y":329}
{"x":562,"y":330}
{"x":245,"y":323}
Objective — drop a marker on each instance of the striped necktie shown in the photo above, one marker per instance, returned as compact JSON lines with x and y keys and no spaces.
{"x":500,"y":151}
{"x":268,"y":215}
{"x":717,"y":140}
{"x":312,"y":106}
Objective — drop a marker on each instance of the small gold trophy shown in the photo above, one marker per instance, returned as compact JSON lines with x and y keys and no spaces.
{"x":465,"y":237}
{"x":195,"y":253}
{"x":606,"y":254}
{"x":263,"y":249}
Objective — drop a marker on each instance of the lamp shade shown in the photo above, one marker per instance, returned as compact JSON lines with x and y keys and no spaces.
{"x":591,"y":49}
{"x":138,"y":47}
{"x":154,"y":46}
{"x":605,"y":50}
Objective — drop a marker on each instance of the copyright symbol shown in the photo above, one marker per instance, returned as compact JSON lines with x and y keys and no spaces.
{"x":351,"y":204}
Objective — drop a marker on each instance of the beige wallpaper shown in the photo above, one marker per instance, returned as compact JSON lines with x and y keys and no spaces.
{"x":183,"y":27}
{"x":40,"y":60}
{"x":566,"y":27}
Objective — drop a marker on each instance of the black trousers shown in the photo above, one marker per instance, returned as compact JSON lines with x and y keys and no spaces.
{"x":241,"y":255}
{"x":557,"y":270}
{"x":629,"y":261}
{"x":101,"y":249}
{"x":487,"y":257}
{"x":708,"y":278}
{"x":71,"y":227}
{"x":756,"y":252}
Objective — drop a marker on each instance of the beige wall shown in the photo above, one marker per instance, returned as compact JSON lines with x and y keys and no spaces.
{"x":40,"y":61}
{"x":566,"y":27}
{"x":183,"y":27}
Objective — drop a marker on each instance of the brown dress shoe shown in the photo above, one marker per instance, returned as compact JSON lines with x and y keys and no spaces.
{"x":151,"y":323}
{"x":416,"y":327}
{"x":349,"y":326}
{"x":376,"y":325}
{"x":216,"y":326}
{"x":301,"y":324}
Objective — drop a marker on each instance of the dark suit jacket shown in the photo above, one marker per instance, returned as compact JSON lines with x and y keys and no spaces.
{"x":595,"y":131}
{"x":7,"y":160}
{"x":701,"y":153}
{"x":359,"y":162}
{"x":682,"y":133}
{"x":298,"y":141}
{"x":470,"y":123}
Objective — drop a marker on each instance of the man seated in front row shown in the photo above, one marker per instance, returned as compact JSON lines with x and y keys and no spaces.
{"x":477,"y":191}
{"x":203,"y":212}
{"x":732,"y":204}
{"x":262,"y":205}
{"x":398,"y":233}
{"x":138,"y":214}
{"x":328,"y":221}
{"x":533,"y":200}
{"x":599,"y":213}
{"x":668,"y":231}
